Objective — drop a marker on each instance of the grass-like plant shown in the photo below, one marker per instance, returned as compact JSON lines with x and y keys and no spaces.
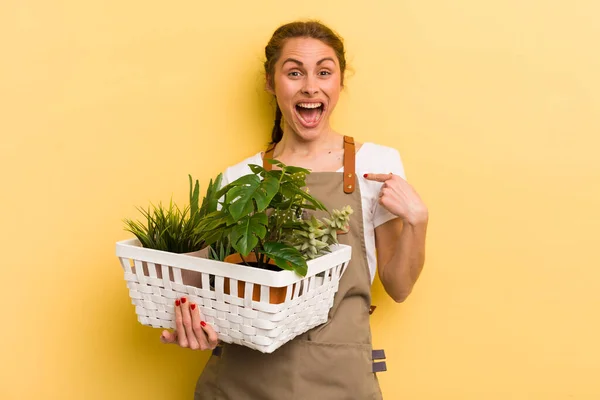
{"x":174,"y":229}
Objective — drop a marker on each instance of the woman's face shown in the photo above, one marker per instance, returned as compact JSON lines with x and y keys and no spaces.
{"x":307,"y":85}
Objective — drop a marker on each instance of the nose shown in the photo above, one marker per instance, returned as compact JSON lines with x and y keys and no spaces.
{"x":310,"y":86}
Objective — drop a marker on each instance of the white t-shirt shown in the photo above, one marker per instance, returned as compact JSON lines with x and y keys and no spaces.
{"x":370,"y":158}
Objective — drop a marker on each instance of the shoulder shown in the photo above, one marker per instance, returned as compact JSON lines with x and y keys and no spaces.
{"x":240,"y":169}
{"x":377,"y":158}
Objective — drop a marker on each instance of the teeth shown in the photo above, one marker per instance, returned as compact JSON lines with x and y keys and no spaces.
{"x":310,"y":105}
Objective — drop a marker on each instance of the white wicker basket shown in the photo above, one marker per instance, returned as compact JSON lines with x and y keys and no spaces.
{"x":237,"y":319}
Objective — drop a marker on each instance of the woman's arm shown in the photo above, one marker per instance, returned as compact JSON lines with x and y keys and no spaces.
{"x":400,"y":255}
{"x":400,"y":242}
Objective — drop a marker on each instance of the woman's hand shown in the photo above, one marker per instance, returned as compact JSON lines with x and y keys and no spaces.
{"x":400,"y":242}
{"x":399,"y":198}
{"x":190,"y":330}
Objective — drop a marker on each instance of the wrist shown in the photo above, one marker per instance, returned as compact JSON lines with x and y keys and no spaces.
{"x":417,"y":218}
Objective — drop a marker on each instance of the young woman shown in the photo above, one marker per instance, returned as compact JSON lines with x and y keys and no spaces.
{"x":305,"y":65}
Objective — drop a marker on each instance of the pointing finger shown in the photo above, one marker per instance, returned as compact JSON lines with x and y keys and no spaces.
{"x":378,"y":177}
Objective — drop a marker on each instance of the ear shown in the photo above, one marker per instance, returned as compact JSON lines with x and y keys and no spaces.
{"x":268,"y":87}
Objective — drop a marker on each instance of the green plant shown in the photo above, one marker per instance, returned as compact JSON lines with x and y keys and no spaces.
{"x":219,"y":250}
{"x":313,"y":237}
{"x":173,"y":229}
{"x":262,"y":213}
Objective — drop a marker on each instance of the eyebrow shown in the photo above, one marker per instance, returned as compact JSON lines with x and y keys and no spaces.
{"x":300,"y":63}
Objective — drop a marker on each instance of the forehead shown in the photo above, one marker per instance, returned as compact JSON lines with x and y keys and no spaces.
{"x":306,"y":50}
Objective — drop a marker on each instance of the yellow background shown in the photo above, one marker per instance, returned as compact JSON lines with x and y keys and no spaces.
{"x":494,"y":106}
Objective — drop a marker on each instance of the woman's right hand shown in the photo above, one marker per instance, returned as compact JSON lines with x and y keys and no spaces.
{"x":190,"y":330}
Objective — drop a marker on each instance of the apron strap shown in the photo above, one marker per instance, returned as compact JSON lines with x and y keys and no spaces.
{"x":268,"y":155}
{"x":349,"y":163}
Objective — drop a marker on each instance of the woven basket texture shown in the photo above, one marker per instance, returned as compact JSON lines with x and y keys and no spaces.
{"x":154,"y":279}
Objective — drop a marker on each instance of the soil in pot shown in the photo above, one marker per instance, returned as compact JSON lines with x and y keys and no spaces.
{"x":276,"y":294}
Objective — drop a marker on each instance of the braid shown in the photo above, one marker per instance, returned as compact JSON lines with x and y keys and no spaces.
{"x":277,"y":132}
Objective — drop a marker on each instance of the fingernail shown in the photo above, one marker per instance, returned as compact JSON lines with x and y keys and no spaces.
{"x":193,"y":306}
{"x":183,"y":300}
{"x":177,"y":303}
{"x":202,"y":323}
{"x":365,"y":175}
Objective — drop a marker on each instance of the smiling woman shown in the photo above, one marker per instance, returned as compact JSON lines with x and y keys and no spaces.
{"x":306,"y":91}
{"x":304,"y":70}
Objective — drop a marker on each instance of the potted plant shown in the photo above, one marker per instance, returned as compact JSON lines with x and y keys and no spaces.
{"x":262,"y":218}
{"x":172,"y":229}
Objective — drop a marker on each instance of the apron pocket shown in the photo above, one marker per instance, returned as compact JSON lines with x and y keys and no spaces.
{"x":334,"y":371}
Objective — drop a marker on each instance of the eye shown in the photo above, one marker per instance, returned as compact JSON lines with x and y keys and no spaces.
{"x":324,"y":73}
{"x":294,"y":74}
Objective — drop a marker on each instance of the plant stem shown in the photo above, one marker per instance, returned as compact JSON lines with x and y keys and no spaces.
{"x":259,"y":256}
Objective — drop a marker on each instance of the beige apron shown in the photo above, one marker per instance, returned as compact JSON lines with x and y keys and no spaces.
{"x":333,"y":361}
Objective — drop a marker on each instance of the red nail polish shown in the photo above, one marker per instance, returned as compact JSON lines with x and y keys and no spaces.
{"x":183,"y":300}
{"x":365,"y":175}
{"x":202,"y":323}
{"x":177,"y":303}
{"x":193,"y":306}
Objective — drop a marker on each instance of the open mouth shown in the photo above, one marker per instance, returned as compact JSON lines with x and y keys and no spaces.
{"x":309,"y":114}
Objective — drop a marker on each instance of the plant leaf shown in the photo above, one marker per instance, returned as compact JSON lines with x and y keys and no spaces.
{"x":290,"y":169}
{"x":289,"y":190}
{"x":257,"y":169}
{"x":286,"y":257}
{"x":247,"y":232}
{"x":216,"y":235}
{"x":249,"y":194}
{"x":211,"y":199}
{"x":194,"y":196}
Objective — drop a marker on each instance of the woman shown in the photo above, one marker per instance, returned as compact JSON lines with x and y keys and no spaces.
{"x":305,"y":65}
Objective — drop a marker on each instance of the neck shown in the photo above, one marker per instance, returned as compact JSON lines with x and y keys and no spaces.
{"x":294,"y":144}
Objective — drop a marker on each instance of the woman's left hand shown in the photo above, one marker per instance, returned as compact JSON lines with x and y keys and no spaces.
{"x":400,"y":198}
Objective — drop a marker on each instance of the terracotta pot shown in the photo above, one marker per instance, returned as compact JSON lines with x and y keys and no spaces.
{"x":191,"y":278}
{"x":276,"y":295}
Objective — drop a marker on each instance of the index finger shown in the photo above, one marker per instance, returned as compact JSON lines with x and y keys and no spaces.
{"x":378,"y":177}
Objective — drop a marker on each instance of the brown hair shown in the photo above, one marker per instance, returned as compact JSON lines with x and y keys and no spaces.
{"x":309,"y":29}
